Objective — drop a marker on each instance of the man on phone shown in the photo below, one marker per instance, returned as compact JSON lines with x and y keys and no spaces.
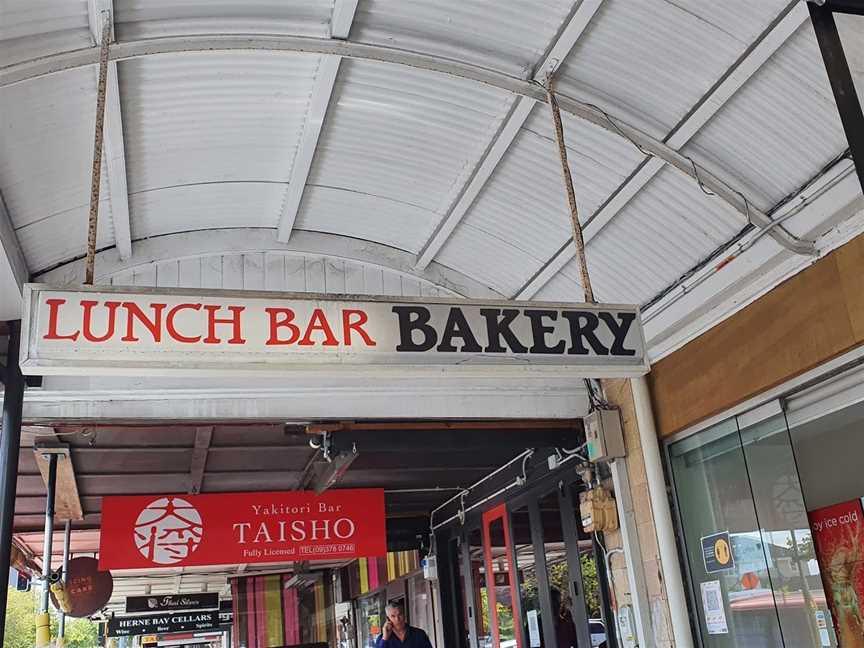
{"x":398,"y":634}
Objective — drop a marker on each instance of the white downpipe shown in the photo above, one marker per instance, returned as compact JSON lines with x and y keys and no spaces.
{"x":666,"y":540}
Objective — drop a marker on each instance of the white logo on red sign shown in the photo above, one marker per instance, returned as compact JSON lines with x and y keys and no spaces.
{"x":168,"y":530}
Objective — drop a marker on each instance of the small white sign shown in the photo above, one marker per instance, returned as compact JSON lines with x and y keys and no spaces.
{"x":158,"y":331}
{"x":715,"y":610}
{"x":533,"y":629}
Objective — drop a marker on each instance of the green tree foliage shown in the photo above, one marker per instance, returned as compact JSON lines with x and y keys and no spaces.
{"x":20,"y":620}
{"x":559,"y":578}
{"x":21,"y":624}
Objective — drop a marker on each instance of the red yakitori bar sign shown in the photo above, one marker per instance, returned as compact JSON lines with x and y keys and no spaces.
{"x":150,"y":531}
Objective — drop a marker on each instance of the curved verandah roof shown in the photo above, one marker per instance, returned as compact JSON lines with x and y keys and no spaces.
{"x":412,"y":137}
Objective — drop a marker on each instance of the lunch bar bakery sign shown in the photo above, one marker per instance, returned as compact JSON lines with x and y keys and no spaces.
{"x":160,"y":331}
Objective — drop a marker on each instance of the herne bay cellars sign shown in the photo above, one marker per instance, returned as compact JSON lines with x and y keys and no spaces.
{"x":145,"y":532}
{"x":160,"y":331}
{"x":163,"y":623}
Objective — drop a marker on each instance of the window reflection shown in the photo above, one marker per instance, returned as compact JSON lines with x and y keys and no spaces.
{"x":738,"y":492}
{"x":500,"y":580}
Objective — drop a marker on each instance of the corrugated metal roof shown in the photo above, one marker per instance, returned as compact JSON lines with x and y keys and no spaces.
{"x":664,"y":231}
{"x":507,"y":36}
{"x":205,"y":206}
{"x":363,"y":216}
{"x":522,"y":218}
{"x":652,"y":60}
{"x":62,"y":236}
{"x":46,"y":141}
{"x":408,"y":136}
{"x":33,"y":28}
{"x":661,"y":234}
{"x":279,"y":271}
{"x":188,"y":119}
{"x":211,"y":136}
{"x":786,"y":112}
{"x":154,"y":18}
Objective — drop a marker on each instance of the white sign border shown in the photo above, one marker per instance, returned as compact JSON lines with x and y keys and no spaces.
{"x":36,"y":366}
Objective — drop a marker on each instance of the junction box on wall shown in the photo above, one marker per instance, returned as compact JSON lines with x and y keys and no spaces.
{"x":604,"y":435}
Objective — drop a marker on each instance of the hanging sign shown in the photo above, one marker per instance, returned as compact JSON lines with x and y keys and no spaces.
{"x":142,"y":331}
{"x":172,"y":602}
{"x":162,"y":623}
{"x":140,"y":532}
{"x":87,"y":588}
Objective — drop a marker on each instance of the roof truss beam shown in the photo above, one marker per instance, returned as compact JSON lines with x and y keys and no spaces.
{"x":573,"y":29}
{"x":762,"y":49}
{"x":114,"y":152}
{"x":11,"y":249}
{"x":203,"y":437}
{"x":319,"y":102}
{"x":386,"y":54}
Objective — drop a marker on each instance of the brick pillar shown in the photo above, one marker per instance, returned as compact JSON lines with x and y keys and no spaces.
{"x":618,"y":393}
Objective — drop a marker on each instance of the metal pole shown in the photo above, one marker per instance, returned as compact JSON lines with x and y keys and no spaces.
{"x":842,"y":84}
{"x":43,"y":628}
{"x":10,"y":441}
{"x":67,"y":536}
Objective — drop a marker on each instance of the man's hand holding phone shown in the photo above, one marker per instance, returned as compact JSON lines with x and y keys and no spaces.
{"x":388,"y":630}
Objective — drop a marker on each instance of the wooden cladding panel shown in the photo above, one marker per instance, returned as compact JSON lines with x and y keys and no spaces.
{"x":816,"y":315}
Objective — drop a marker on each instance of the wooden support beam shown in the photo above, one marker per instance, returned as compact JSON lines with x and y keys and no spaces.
{"x":203,"y":438}
{"x":68,"y":503}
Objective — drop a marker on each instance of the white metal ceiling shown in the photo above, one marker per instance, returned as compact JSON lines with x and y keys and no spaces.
{"x":213,"y":136}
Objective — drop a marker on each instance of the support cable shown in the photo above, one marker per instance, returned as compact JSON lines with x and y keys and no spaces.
{"x":96,"y":177}
{"x":578,"y":240}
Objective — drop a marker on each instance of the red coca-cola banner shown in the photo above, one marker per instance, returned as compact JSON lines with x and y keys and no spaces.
{"x":234,"y":528}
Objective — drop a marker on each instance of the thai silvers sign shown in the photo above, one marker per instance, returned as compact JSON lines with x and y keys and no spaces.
{"x":159,"y":331}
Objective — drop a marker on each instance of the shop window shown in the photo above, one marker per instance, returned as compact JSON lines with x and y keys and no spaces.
{"x":799,"y":597}
{"x":530,"y":586}
{"x":716,"y":508}
{"x":370,"y":619}
{"x":477,"y":594}
{"x":750,"y":554}
{"x":828,"y":450}
{"x":500,"y":578}
{"x":420,"y":606}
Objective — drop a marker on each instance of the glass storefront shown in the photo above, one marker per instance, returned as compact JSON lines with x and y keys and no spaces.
{"x":768,"y":505}
{"x":370,"y":618}
{"x":529,"y":575}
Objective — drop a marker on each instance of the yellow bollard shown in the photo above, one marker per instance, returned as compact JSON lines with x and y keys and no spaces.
{"x":43,"y":630}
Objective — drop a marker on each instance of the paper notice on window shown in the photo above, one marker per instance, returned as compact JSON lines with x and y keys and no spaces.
{"x":715,"y":611}
{"x":533,"y":629}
